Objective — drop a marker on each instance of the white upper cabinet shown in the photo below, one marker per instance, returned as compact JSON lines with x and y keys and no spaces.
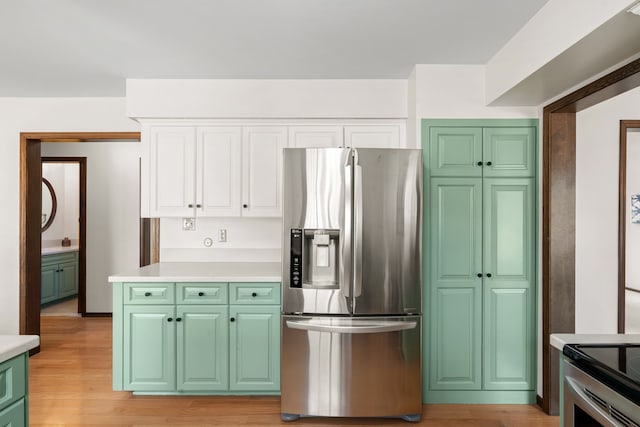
{"x":316,"y":136}
{"x":172,"y":162}
{"x":231,"y":170}
{"x":373,"y":136}
{"x":262,"y":165}
{"x":218,"y":171}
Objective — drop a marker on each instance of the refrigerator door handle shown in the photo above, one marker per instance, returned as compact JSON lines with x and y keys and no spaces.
{"x":357,"y":225}
{"x":355,"y":328}
{"x":345,"y":243}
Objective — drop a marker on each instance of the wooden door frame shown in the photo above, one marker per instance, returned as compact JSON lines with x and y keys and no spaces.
{"x":625,"y":125}
{"x":82,"y":247}
{"x":30,"y":208}
{"x":558,"y":214}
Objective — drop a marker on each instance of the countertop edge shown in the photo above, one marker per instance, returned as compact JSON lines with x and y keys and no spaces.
{"x":559,"y":340}
{"x":149,"y":279}
{"x":13,"y":345}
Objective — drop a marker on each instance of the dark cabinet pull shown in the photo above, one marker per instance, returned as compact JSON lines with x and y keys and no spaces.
{"x":198,"y":205}
{"x":488,"y":163}
{"x":190,"y":205}
{"x":479,"y":163}
{"x":245,"y":206}
{"x":253,"y":294}
{"x":178,"y":319}
{"x":200,"y":294}
{"x":169,"y":319}
{"x":233,"y":319}
{"x":488,"y":274}
{"x":479,"y":274}
{"x":147,"y":294}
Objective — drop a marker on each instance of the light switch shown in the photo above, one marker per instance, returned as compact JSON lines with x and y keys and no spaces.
{"x":189,"y":224}
{"x":222,"y":235}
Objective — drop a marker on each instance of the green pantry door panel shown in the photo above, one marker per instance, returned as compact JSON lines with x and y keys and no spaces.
{"x":509,"y":345}
{"x":456,"y":260}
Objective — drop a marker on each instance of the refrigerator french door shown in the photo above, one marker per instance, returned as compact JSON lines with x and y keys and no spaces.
{"x":352,"y":305}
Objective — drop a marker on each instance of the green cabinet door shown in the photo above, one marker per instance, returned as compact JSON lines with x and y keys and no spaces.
{"x":48,"y":283}
{"x":509,"y":245}
{"x":254,"y":347}
{"x":456,"y":290}
{"x":149,"y":348}
{"x":202,"y":351}
{"x":455,"y":151}
{"x":14,"y":415}
{"x":509,"y":151}
{"x":67,"y":279}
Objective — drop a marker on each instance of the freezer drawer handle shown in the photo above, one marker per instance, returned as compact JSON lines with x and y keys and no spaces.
{"x":368,"y":328}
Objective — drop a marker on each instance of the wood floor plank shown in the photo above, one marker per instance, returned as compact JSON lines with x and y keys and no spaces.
{"x":70,"y":385}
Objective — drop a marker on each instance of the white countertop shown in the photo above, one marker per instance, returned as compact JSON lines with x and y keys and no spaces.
{"x":59,"y":249}
{"x":13,"y":345}
{"x":203,"y":272}
{"x":559,"y":340}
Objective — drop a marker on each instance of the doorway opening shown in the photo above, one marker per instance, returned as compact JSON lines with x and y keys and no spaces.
{"x":63,"y":246}
{"x":31,"y":218}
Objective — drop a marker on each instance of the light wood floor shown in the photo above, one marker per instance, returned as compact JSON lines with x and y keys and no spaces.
{"x":70,"y":385}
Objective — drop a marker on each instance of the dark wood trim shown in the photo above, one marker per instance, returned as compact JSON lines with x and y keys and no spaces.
{"x":625,"y":125}
{"x":97,"y":315}
{"x":82,"y":230}
{"x":30,"y":208}
{"x":538,"y":400}
{"x":558,"y":213}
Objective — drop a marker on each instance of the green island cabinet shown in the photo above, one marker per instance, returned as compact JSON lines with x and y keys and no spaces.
{"x":58,"y":276}
{"x":480,"y":261}
{"x":196,"y":338}
{"x":14,"y":407}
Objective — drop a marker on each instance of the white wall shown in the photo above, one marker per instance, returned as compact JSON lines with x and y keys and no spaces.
{"x":38,"y":115}
{"x":64,"y":178}
{"x":113,"y":212}
{"x":597,"y":152}
{"x":632,"y":232}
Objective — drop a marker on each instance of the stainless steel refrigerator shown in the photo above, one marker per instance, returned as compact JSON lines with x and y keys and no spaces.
{"x":351,"y":288}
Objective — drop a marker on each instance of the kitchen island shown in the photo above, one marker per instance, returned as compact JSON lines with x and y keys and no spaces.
{"x":197,"y":328}
{"x":14,"y":378}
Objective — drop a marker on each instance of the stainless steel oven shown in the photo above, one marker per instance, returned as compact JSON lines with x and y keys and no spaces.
{"x":600,"y":387}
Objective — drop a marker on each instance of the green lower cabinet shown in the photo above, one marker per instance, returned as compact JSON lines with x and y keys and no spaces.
{"x":68,"y":279}
{"x":149,"y":348}
{"x":203,"y":359}
{"x":185,"y":338}
{"x":255,"y":348}
{"x":58,"y":276}
{"x":14,"y":381}
{"x":48,"y":283}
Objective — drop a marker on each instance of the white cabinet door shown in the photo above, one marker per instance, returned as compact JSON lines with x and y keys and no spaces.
{"x":219,"y":171}
{"x":373,"y":136}
{"x":315,"y":136}
{"x":262,"y":170}
{"x":172,"y":171}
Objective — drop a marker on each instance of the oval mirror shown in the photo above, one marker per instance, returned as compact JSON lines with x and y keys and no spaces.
{"x":49,"y":204}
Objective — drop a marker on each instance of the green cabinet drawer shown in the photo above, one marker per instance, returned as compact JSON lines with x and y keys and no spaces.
{"x":149,"y":293}
{"x":254,"y":293}
{"x":12,"y":380}
{"x":202,"y":293}
{"x":58,"y":258}
{"x":14,"y":415}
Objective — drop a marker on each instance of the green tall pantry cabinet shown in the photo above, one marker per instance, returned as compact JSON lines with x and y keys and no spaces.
{"x":480,"y":261}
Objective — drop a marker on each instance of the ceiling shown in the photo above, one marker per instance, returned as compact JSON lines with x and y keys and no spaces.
{"x":89,"y":47}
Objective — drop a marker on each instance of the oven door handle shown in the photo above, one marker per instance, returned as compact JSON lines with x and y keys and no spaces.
{"x":587,"y":405}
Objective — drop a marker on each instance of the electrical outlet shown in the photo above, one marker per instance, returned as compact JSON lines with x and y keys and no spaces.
{"x":222,"y":235}
{"x":208,"y":241}
{"x":188,"y":224}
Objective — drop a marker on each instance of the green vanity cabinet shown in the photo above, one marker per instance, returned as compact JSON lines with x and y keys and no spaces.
{"x":58,"y":276}
{"x":186,"y":338}
{"x":13,"y":391}
{"x":480,"y":270}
